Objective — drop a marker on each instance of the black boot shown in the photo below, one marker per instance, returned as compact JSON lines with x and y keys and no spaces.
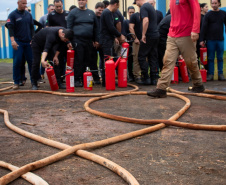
{"x":157,"y":93}
{"x":60,"y":84}
{"x":221,"y":77}
{"x":209,"y":78}
{"x":198,"y":89}
{"x":34,"y":86}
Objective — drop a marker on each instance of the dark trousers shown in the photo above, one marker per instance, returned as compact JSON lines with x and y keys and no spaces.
{"x":130,"y":62}
{"x":150,"y":51}
{"x":37,"y":53}
{"x":83,"y":53}
{"x":161,"y":52}
{"x":93,"y":64}
{"x":63,"y":59}
{"x":24,"y":50}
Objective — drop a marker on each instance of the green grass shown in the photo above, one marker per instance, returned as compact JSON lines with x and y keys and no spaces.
{"x":7,"y":60}
{"x":224,"y":67}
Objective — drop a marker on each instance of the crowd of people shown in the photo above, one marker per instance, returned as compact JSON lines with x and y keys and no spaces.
{"x":158,"y":41}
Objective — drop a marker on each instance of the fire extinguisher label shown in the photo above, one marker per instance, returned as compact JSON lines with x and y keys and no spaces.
{"x":54,"y":80}
{"x":89,"y":81}
{"x":125,"y":75}
{"x":71,"y":62}
{"x":72,"y":81}
{"x":205,"y":56}
{"x":125,"y":53}
{"x":173,"y":76}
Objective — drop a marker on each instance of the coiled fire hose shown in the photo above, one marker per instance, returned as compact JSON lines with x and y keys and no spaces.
{"x":30,"y":177}
{"x":13,"y":175}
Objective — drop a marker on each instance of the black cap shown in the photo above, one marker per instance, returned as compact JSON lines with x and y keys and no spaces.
{"x":134,"y":2}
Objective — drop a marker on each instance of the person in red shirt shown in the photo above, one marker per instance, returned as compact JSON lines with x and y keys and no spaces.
{"x":183,"y":34}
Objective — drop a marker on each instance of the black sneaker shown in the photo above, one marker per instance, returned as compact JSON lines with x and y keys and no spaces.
{"x":198,"y":89}
{"x":138,"y":80}
{"x":147,"y":81}
{"x":78,"y":84}
{"x":62,"y":86}
{"x":209,"y":78}
{"x":221,"y":77}
{"x":131,"y":79}
{"x":96,"y":82}
{"x":157,"y":93}
{"x":34,"y":87}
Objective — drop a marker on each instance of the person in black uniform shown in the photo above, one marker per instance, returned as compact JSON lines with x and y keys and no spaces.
{"x":83,"y":22}
{"x":135,"y":27}
{"x":108,"y":32}
{"x":58,"y":17}
{"x":158,"y":13}
{"x":204,"y":10}
{"x":163,"y":29}
{"x":99,"y":7}
{"x":46,"y":45}
{"x":21,"y":29}
{"x":131,"y":10}
{"x":149,"y":42}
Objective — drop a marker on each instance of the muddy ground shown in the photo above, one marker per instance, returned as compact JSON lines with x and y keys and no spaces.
{"x":169,"y":156}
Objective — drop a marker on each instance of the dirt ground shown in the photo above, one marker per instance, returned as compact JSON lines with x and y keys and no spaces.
{"x":169,"y":156}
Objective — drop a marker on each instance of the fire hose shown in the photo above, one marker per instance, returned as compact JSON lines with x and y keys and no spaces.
{"x":78,"y":148}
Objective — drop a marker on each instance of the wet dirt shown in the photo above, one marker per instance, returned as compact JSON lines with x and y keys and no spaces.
{"x":169,"y":156}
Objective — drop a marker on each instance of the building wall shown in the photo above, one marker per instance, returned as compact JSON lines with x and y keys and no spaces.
{"x":39,"y":10}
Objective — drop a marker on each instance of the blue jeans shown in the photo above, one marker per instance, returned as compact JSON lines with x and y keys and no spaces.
{"x":23,"y":49}
{"x":214,"y":46}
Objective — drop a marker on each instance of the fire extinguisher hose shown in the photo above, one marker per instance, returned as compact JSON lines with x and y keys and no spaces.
{"x":30,"y":177}
{"x":153,"y":121}
{"x":79,"y":149}
{"x":200,"y":94}
{"x":6,"y":88}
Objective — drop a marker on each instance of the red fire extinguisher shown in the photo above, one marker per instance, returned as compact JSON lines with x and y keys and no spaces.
{"x":125,"y":50}
{"x":122,"y":73}
{"x":70,"y":87}
{"x":203,"y":56}
{"x":203,"y":74}
{"x":175,"y":76}
{"x":88,"y":80}
{"x":52,"y":78}
{"x":110,"y":75}
{"x":183,"y":71}
{"x":70,"y":58}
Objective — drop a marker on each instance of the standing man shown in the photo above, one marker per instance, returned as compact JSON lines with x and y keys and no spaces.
{"x":21,"y":29}
{"x":212,"y":31}
{"x":58,"y":17}
{"x":158,"y":13}
{"x":182,"y":37}
{"x":43,"y":19}
{"x":135,"y":28}
{"x":149,"y":42}
{"x":46,"y":45}
{"x":163,"y":28}
{"x":131,"y":11}
{"x":99,"y":7}
{"x":83,"y":22}
{"x":108,"y":32}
